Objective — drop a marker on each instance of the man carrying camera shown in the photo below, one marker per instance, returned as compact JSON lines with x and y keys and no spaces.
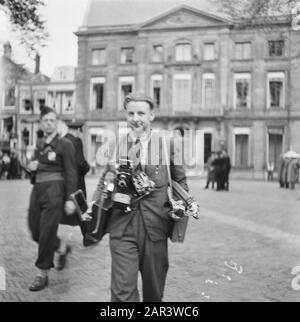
{"x":140,"y":224}
{"x":55,"y":180}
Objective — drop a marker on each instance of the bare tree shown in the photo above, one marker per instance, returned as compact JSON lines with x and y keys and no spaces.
{"x":26,"y":22}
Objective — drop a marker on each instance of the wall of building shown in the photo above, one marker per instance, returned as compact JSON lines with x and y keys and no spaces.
{"x":224,"y":120}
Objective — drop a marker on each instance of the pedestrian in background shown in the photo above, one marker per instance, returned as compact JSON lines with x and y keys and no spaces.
{"x":55,"y":180}
{"x":218,"y":168}
{"x":226,"y":164}
{"x":293,"y":173}
{"x":284,"y":173}
{"x":280,"y":172}
{"x":210,"y":172}
{"x":270,"y":170}
{"x":5,"y":166}
{"x":15,"y":166}
{"x":71,"y":133}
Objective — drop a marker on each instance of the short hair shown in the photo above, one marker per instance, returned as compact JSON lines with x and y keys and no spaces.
{"x":138,"y":97}
{"x":47,"y":110}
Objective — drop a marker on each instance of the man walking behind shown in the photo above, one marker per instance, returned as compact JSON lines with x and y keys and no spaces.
{"x":71,"y":132}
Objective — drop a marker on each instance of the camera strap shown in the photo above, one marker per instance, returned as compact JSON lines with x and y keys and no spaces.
{"x":167,"y":160}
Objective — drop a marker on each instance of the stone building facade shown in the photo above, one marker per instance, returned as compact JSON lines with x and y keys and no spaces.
{"x":238,"y":88}
{"x":39,"y":90}
{"x":10,"y":74}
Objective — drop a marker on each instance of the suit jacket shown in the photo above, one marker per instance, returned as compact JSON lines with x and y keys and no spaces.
{"x":82,"y":169}
{"x":154,"y":207}
{"x":82,"y":166}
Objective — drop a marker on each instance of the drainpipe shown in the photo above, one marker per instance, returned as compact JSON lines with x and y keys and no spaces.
{"x":289,"y":92}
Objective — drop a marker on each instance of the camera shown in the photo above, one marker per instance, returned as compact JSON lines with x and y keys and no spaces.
{"x":177,"y":209}
{"x":123,"y":186}
{"x":142,"y":183}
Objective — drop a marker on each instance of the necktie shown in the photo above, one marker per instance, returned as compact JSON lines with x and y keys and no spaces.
{"x":135,"y":154}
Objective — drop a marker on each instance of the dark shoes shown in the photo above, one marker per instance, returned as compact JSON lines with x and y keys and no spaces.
{"x":62,"y":259}
{"x":39,"y":283}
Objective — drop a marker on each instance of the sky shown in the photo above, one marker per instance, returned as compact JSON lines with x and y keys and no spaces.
{"x":63,"y":17}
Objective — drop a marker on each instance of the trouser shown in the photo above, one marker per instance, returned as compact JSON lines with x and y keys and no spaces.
{"x":45,"y":211}
{"x":208,"y":181}
{"x":226,"y":181}
{"x":219,"y":183}
{"x":270,"y":175}
{"x":134,"y":252}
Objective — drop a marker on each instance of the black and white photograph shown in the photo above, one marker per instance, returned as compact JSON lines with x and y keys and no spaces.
{"x":150,"y":152}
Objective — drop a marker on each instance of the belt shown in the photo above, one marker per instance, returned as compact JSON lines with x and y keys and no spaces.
{"x":48,"y":176}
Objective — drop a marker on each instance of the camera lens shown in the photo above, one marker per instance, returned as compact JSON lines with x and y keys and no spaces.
{"x":122,"y":184}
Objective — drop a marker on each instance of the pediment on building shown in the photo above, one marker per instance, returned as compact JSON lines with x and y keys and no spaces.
{"x":184,"y":16}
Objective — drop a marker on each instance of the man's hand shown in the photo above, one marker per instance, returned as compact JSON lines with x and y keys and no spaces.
{"x":70,"y":207}
{"x":33,"y":165}
{"x":87,"y":215}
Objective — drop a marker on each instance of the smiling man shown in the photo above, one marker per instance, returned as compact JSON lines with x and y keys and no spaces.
{"x":138,"y":236}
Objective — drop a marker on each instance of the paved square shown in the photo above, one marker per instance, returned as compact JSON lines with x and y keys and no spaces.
{"x":245,"y":247}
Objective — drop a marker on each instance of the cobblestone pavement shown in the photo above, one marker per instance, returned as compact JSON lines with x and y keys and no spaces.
{"x":256,"y":225}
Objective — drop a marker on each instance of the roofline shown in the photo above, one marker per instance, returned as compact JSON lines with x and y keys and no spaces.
{"x":179,"y":7}
{"x":105,"y":29}
{"x":136,"y":28}
{"x":133,"y":30}
{"x":83,"y":30}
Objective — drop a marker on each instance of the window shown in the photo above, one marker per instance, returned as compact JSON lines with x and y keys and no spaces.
{"x":98,"y":56}
{"x":275,"y":95}
{"x":276,"y":48}
{"x":183,"y":52}
{"x":126,"y":86}
{"x":27,"y":106}
{"x":182,"y":92}
{"x":9,"y":96}
{"x":242,"y":90}
{"x":68,"y":103}
{"x":158,"y":53}
{"x":241,"y":150}
{"x":25,"y":102}
{"x":242,"y":50}
{"x":62,"y":74}
{"x":51,"y":100}
{"x":156,"y":89}
{"x":241,"y":147}
{"x":275,"y":145}
{"x":127,"y":55}
{"x":39,"y":101}
{"x":25,"y":136}
{"x":97,"y":93}
{"x":208,"y":90}
{"x":209,"y":51}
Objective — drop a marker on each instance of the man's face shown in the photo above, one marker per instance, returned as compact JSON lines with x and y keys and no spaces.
{"x":49,"y":123}
{"x":139,"y":116}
